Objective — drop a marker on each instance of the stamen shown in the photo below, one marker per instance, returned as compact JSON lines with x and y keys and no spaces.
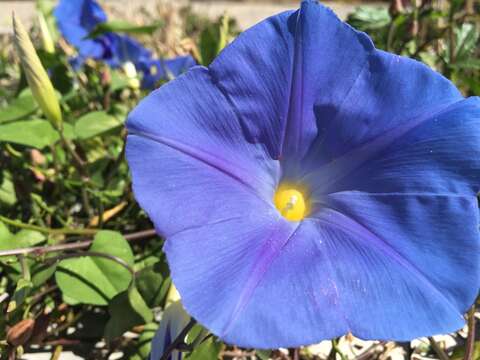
{"x":290,"y":202}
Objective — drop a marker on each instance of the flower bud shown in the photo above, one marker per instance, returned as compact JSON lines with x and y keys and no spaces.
{"x":37,"y":78}
{"x":20,"y":333}
{"x":47,"y":40}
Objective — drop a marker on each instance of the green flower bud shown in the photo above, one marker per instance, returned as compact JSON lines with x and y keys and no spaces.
{"x":37,"y":78}
{"x":47,"y":40}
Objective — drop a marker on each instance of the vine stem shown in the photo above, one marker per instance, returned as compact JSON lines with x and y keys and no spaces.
{"x":470,"y":347}
{"x":438,"y":350}
{"x":40,"y":250}
{"x":46,"y":230}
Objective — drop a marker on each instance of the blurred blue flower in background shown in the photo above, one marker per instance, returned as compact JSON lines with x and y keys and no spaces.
{"x":76,"y":19}
{"x":155,"y":70}
{"x":124,"y":49}
{"x":309,"y":185}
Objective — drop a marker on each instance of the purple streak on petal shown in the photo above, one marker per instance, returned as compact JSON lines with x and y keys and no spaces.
{"x":275,"y":73}
{"x":234,"y":171}
{"x":389,"y":90}
{"x":348,"y":225}
{"x":191,"y":165}
{"x":270,"y":250}
{"x":297,"y":301}
{"x":431,"y":239}
{"x":435,"y":157}
{"x":323,"y":49}
{"x":322,"y":179}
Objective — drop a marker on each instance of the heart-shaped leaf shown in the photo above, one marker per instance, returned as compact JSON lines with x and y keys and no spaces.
{"x":95,"y":280}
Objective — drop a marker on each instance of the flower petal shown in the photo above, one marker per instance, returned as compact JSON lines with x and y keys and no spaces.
{"x":411,"y":258}
{"x":390,"y":92}
{"x":189,"y":161}
{"x":76,"y":19}
{"x":217,"y":268}
{"x":273,"y":73}
{"x":362,"y":261}
{"x":433,"y":153}
{"x":124,"y":49}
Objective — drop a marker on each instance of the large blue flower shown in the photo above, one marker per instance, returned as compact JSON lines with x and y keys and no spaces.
{"x":309,"y":185}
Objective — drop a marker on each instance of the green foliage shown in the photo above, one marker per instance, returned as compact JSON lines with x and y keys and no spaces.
{"x":127,"y":309}
{"x":442,"y":34}
{"x":18,"y":108}
{"x":95,"y":123}
{"x":36,"y":133}
{"x":96,"y":280}
{"x":124,"y":27}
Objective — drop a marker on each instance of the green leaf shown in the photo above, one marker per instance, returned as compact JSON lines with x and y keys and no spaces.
{"x":95,"y":123}
{"x":124,"y":27}
{"x":34,"y":133}
{"x":469,"y":64}
{"x":263,"y":354}
{"x":127,"y":309}
{"x":7,"y":190}
{"x":41,"y":272}
{"x":459,"y":352}
{"x":369,"y":17}
{"x":208,"y":349}
{"x":466,"y":40}
{"x":4,"y":234}
{"x":153,"y":283}
{"x":22,"y":239}
{"x":144,"y":343}
{"x":22,"y":291}
{"x":119,"y":81}
{"x":209,"y":44}
{"x":19,"y":108}
{"x":95,"y":280}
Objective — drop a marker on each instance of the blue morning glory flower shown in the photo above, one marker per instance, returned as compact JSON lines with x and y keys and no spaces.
{"x":309,"y":185}
{"x":155,"y":70}
{"x":76,"y":19}
{"x":124,"y":49}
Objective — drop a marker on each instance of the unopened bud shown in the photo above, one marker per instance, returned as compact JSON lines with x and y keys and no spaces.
{"x":47,"y":41}
{"x":37,"y":78}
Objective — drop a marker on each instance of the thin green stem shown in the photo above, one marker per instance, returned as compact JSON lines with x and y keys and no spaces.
{"x":45,"y":230}
{"x":24,"y":267}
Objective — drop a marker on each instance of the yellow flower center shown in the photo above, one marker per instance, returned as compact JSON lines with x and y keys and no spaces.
{"x":291,"y":203}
